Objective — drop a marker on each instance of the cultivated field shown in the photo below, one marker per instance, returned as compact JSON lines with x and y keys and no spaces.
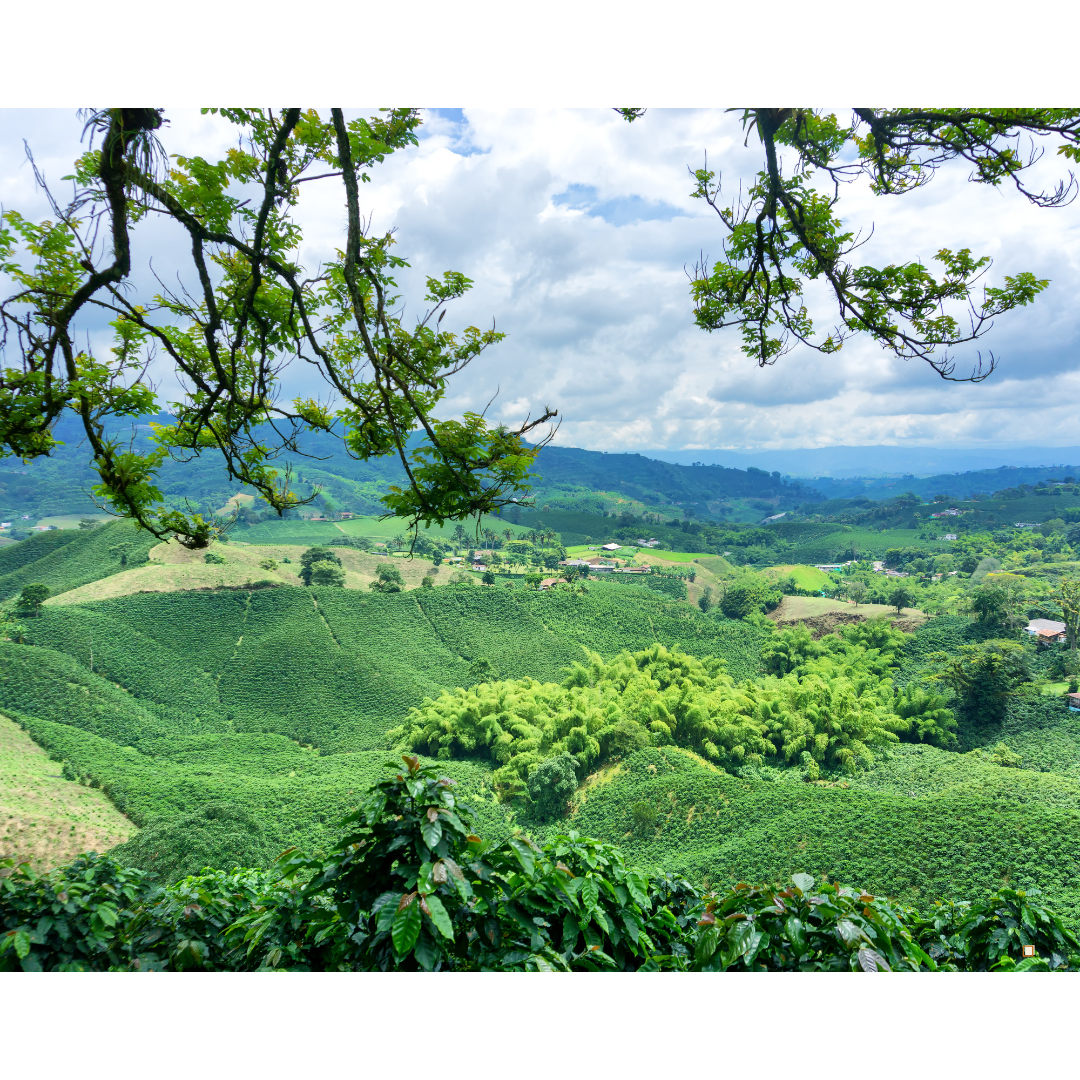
{"x":43,"y":817}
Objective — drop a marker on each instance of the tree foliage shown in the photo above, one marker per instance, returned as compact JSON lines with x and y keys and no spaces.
{"x":826,"y":706}
{"x":388,"y":579}
{"x":244,"y":310}
{"x":322,"y":555}
{"x":32,"y":598}
{"x":552,"y":784}
{"x":783,"y":230}
{"x":982,"y":675}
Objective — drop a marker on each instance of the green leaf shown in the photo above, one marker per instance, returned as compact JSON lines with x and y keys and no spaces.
{"x":708,"y":941}
{"x":107,"y":914}
{"x":872,"y":960}
{"x":570,"y":931}
{"x":431,"y":831}
{"x":638,"y":885}
{"x":22,"y":944}
{"x":427,"y":952}
{"x":440,"y":917}
{"x":590,"y":893}
{"x":796,"y":934}
{"x":803,"y":882}
{"x":524,"y":855}
{"x":405,"y":928}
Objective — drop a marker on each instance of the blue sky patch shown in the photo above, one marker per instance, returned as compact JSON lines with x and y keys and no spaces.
{"x":624,"y":210}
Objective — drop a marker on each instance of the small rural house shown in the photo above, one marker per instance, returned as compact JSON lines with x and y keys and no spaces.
{"x":1046,"y":630}
{"x":611,"y":547}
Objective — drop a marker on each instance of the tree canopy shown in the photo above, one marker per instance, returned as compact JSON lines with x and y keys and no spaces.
{"x":243,"y":310}
{"x":783,"y":231}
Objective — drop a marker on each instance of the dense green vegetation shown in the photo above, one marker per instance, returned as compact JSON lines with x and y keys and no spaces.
{"x":229,"y":725}
{"x":76,"y":559}
{"x":408,"y":886}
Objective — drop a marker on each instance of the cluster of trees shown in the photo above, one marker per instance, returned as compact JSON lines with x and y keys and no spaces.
{"x":823,"y":706}
{"x":407,"y":885}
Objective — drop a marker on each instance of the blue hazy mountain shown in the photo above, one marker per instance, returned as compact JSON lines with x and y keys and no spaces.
{"x":874,"y":461}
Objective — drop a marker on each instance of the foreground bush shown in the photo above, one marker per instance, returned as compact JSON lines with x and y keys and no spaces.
{"x":409,"y":887}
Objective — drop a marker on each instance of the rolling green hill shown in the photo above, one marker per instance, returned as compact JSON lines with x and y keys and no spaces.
{"x":982,"y":827}
{"x":75,"y":558}
{"x":227,"y":725}
{"x":278,"y":701}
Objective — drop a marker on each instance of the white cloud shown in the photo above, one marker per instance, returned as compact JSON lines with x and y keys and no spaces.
{"x":577,"y":229}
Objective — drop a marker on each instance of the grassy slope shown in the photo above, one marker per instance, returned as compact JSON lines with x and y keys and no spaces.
{"x":337,"y":668}
{"x":43,"y":817}
{"x":15,"y":555}
{"x":794,"y":608}
{"x":203,"y":697}
{"x":172,"y":568}
{"x":806,"y":577}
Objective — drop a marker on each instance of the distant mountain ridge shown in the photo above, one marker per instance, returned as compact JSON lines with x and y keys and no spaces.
{"x":874,"y":461}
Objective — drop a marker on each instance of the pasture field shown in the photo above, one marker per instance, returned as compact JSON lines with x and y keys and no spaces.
{"x":45,"y":819}
{"x":869,"y":540}
{"x":716,"y":564}
{"x":172,"y":568}
{"x":377,"y":529}
{"x":310,"y":533}
{"x":71,"y":521}
{"x":235,"y":502}
{"x":806,"y":577}
{"x":793,"y":608}
{"x":651,"y":554}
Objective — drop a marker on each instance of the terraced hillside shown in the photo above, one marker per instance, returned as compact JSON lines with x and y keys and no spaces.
{"x":229,"y":724}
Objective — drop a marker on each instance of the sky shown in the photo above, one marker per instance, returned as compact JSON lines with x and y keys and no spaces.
{"x":578,"y":230}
